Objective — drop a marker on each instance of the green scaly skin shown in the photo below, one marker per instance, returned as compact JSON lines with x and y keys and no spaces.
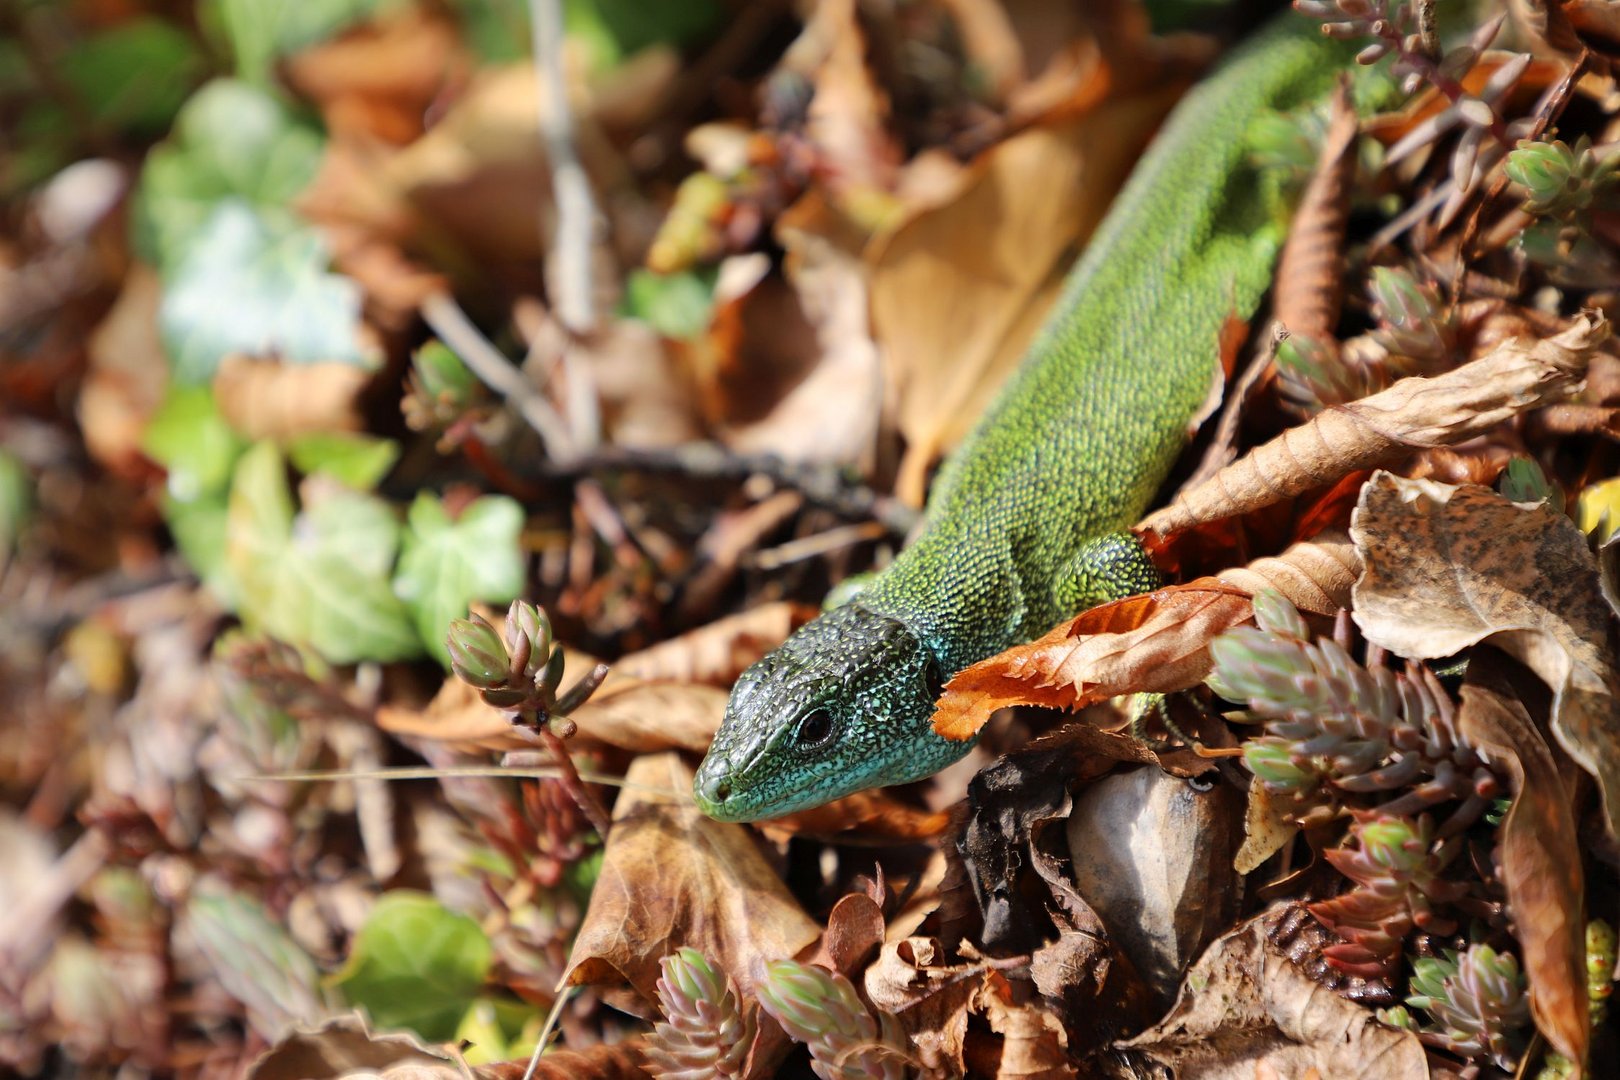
{"x":1025,"y":525}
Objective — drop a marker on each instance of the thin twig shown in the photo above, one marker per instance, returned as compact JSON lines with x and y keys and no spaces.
{"x":457,"y":331}
{"x":552,"y":1019}
{"x":570,"y":186}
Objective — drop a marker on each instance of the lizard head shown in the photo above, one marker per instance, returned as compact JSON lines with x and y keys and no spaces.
{"x":846,"y":703}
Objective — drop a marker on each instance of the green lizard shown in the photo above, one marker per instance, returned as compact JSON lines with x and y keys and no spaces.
{"x":1025,"y":524}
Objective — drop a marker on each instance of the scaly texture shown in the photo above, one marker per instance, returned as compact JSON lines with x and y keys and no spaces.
{"x":1024,"y":526}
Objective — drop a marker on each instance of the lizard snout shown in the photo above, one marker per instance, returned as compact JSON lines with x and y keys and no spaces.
{"x":714,"y":782}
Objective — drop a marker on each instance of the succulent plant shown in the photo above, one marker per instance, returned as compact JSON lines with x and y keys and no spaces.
{"x":705,"y":1034}
{"x":1478,"y":1001}
{"x":1344,"y":728}
{"x":1314,"y":374}
{"x":1561,"y":180}
{"x":1396,"y":866}
{"x":821,"y":1009}
{"x":521,"y":671}
{"x":1419,"y":331}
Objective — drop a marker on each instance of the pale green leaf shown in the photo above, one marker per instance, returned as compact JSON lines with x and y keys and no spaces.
{"x":448,"y":564}
{"x":415,"y":964}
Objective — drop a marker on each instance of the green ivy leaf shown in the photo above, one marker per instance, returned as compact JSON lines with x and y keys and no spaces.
{"x":415,"y":964}
{"x":357,"y":461}
{"x":249,"y":286}
{"x":448,"y":564}
{"x":319,"y":577}
{"x":676,"y":305}
{"x":16,"y":501}
{"x":261,"y":31}
{"x":134,"y":76}
{"x":196,"y":445}
{"x":231,"y":139}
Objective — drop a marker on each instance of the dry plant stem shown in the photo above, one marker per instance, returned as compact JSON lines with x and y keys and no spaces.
{"x":571,"y":188}
{"x":1416,"y":412}
{"x":573,"y":784}
{"x":445,"y":317}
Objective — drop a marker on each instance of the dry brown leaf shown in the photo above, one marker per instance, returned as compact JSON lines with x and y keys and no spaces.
{"x":959,"y":289}
{"x":1034,"y":1045}
{"x":671,"y":878}
{"x":269,"y":399}
{"x":647,"y":717}
{"x":1155,"y":643}
{"x":1451,"y":567}
{"x":847,"y":120}
{"x":1540,"y":859}
{"x":631,"y":714}
{"x":457,"y":716}
{"x":1310,"y":270}
{"x":871,"y":814}
{"x":1267,"y":825}
{"x":379,"y":79}
{"x":1245,"y":1006}
{"x":722,"y":650}
{"x":788,"y":366}
{"x":1416,"y":412}
{"x":128,"y":374}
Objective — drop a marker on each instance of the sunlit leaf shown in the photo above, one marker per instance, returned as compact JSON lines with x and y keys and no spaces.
{"x":320,"y":577}
{"x":250,"y":286}
{"x":448,"y":564}
{"x":260,"y":31}
{"x":190,"y":439}
{"x":231,"y":139}
{"x":415,"y":964}
{"x":358,"y":461}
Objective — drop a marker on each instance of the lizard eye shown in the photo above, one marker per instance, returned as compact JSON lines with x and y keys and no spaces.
{"x":815,"y":729}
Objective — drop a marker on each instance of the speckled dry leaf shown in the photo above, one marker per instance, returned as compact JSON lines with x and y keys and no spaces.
{"x":671,"y":878}
{"x":959,"y":289}
{"x":719,"y":652}
{"x":931,"y":998}
{"x":1158,"y":642}
{"x":1266,"y":828}
{"x":1449,"y":567}
{"x":1416,"y":412}
{"x":1244,"y":1006}
{"x":1540,"y":860}
{"x":268,"y":399}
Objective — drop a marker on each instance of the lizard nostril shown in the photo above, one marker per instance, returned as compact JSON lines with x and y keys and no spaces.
{"x":715,"y":787}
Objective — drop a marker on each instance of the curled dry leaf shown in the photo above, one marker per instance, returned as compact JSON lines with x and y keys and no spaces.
{"x":1034,"y":1044}
{"x":1245,"y":1007}
{"x":670,"y":878}
{"x":1416,"y":412}
{"x":1310,"y":269}
{"x":1450,"y":567}
{"x":1158,"y":642}
{"x":1540,"y":859}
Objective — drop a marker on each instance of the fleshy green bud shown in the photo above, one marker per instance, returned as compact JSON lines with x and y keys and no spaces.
{"x":706,"y":1035}
{"x":821,"y":1009}
{"x":477,"y":654}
